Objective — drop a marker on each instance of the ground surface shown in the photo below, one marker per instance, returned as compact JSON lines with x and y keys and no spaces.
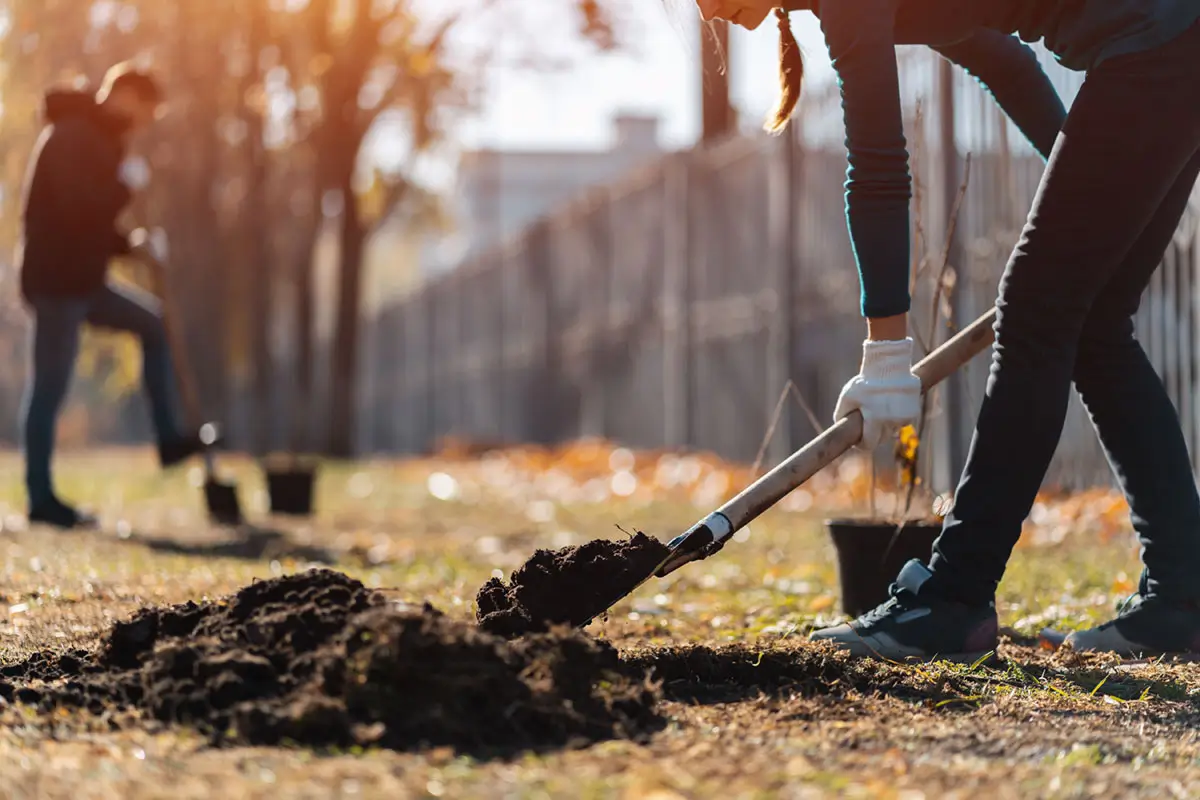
{"x":749,"y":709}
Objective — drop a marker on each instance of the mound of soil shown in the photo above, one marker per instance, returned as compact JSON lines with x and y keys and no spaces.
{"x":567,"y":586}
{"x":318,"y":659}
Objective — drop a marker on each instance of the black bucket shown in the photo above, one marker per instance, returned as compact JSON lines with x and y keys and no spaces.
{"x":222,"y":502}
{"x":870,"y":555}
{"x":291,"y":489}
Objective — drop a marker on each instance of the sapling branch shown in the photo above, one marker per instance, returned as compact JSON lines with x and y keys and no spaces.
{"x":792,"y":389}
{"x":935,"y":314}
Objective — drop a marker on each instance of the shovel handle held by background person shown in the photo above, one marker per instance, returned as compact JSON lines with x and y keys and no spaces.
{"x":179,"y":356}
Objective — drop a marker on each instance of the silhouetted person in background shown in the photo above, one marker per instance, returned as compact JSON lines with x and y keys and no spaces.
{"x":78,"y":184}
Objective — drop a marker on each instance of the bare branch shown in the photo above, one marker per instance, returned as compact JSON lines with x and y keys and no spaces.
{"x":405,"y":85}
{"x":951,"y":227}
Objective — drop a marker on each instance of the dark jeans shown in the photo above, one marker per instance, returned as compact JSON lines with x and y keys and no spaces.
{"x":1114,"y":190}
{"x":56,"y":323}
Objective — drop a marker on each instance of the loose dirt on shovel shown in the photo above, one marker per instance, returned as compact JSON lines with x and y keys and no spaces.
{"x":568,"y":586}
{"x":317,"y":659}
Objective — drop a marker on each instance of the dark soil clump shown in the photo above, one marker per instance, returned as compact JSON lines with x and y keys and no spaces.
{"x":318,"y":659}
{"x":691,"y":671}
{"x":567,"y":586}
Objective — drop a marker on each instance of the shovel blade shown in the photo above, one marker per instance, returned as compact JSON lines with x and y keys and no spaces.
{"x":222,"y":501}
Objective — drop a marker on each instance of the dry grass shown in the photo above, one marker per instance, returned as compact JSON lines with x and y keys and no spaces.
{"x":1035,"y":725}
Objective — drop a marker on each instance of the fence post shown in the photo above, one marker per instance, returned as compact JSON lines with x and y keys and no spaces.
{"x":954,"y":451}
{"x":386,"y":364}
{"x":403,"y":412}
{"x":600,"y":230}
{"x":432,"y":373}
{"x":391,"y":409}
{"x":498,"y":380}
{"x":676,"y":304}
{"x":460,"y":420}
{"x":781,"y":326}
{"x":542,"y":399}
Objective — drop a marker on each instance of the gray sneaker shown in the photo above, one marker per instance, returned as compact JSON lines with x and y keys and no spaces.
{"x":917,"y":624}
{"x":1146,"y":625}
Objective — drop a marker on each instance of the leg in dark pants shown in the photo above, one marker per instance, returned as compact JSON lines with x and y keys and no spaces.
{"x":55,"y":346}
{"x":56,"y":324}
{"x":1112,"y":185}
{"x":1133,"y":416}
{"x":128,"y":310}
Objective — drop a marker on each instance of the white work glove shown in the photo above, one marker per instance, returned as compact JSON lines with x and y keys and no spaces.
{"x":134,"y":173}
{"x":885,"y":391}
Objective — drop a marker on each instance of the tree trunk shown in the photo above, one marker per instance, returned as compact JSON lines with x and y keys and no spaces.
{"x":259,"y":252}
{"x":343,"y":408}
{"x":260,"y":318}
{"x":717,"y":114}
{"x":200,"y":259}
{"x":305,"y":333}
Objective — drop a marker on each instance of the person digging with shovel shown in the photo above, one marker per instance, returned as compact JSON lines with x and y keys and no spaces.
{"x":78,"y":184}
{"x":1118,"y":179}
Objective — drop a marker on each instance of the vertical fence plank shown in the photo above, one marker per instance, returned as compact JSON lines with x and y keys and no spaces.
{"x":596,"y":301}
{"x":781,"y":215}
{"x":433,"y":392}
{"x":676,"y":307}
{"x":542,"y":390}
{"x":669,"y":339}
{"x":953,"y":172}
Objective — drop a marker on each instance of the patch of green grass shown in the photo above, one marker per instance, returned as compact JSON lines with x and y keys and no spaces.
{"x":1080,"y":755}
{"x":995,"y":728}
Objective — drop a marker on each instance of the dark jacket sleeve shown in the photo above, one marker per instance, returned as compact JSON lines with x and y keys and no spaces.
{"x":859,"y":34}
{"x":71,"y":166}
{"x":1010,"y":71}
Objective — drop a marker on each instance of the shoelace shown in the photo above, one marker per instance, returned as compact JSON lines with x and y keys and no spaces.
{"x":899,"y":598}
{"x":1129,"y":603}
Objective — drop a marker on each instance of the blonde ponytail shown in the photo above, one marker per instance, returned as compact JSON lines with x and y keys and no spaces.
{"x":791,"y":75}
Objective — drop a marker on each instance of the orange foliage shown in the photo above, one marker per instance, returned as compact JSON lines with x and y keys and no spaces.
{"x":596,"y":470}
{"x":1099,"y":513}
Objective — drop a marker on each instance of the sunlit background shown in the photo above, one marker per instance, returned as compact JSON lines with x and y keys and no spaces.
{"x":527,"y":79}
{"x":656,"y":74}
{"x":396,"y":221}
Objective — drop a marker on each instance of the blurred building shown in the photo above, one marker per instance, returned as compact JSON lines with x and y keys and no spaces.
{"x":499,"y":192}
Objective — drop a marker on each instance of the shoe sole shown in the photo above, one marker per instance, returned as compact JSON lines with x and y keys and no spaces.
{"x":1052,"y":639}
{"x":883,"y":647}
{"x":865,"y":650}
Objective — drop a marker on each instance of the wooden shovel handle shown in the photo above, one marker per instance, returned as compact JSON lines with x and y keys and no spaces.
{"x":179,"y":355}
{"x":827,"y":447}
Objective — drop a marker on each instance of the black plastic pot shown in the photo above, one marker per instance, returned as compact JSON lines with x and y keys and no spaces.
{"x":290,"y":488}
{"x":870,"y":555}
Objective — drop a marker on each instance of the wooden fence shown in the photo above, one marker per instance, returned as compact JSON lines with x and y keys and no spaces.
{"x":671,"y":308}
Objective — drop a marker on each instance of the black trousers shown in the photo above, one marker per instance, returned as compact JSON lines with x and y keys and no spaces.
{"x":1115,"y":188}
